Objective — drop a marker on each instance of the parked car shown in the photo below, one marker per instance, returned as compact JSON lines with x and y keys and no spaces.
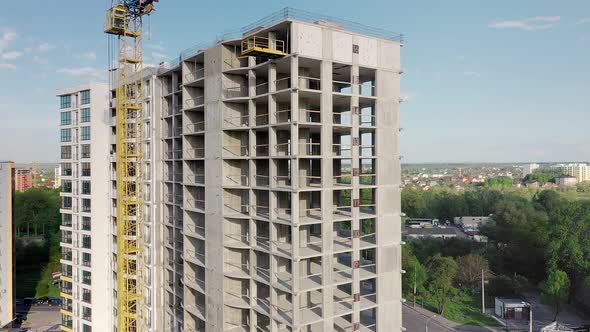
{"x":54,"y":301}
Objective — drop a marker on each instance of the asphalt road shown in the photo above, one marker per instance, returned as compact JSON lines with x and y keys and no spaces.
{"x":414,"y":321}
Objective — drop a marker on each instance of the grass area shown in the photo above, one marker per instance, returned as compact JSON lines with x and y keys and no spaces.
{"x":45,"y":286}
{"x":464,"y":308}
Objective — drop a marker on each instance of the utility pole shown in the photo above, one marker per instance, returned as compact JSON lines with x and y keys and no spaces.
{"x":483,"y":293}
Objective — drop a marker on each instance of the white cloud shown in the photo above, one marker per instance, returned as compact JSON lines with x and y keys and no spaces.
{"x":83,"y":72}
{"x":528,"y":24}
{"x":11,"y":55}
{"x":584,"y":20}
{"x":157,"y":47}
{"x":7,"y":36}
{"x":158,"y":56}
{"x":7,"y":66}
{"x":45,"y":47}
{"x":408,"y":96}
{"x":472,"y":73}
{"x":87,"y":56}
{"x":40,"y":60}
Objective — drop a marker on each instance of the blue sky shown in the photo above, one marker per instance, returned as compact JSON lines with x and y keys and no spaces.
{"x":484,"y":81}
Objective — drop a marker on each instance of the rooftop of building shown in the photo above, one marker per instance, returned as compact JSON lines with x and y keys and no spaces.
{"x":283,"y":15}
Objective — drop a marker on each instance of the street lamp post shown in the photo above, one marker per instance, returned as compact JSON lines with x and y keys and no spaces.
{"x":428,"y":320}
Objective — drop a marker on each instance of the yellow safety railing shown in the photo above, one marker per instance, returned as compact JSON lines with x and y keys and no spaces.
{"x":263,"y":45}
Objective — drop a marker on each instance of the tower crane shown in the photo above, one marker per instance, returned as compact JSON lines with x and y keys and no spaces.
{"x":125,"y":27}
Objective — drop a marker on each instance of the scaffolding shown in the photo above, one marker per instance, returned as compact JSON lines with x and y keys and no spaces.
{"x":124,"y":23}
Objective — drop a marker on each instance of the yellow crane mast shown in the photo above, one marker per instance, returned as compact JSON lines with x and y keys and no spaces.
{"x":124,"y":23}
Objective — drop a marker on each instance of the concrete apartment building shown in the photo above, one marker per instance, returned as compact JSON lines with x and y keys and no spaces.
{"x":282,"y":180}
{"x":529,"y":168}
{"x":271,"y":181}
{"x":579,"y":171}
{"x":23,"y":179}
{"x":6,"y":243}
{"x":84,"y":142}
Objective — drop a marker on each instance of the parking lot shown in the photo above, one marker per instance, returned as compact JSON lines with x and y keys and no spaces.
{"x":40,"y":317}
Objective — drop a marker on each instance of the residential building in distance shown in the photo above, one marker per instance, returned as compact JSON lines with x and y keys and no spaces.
{"x":57,"y":176}
{"x":566,"y":180}
{"x":579,"y":171}
{"x":23,"y":179}
{"x":293,"y":128}
{"x":85,"y":229}
{"x":529,"y":168}
{"x":471,"y":224}
{"x":6,"y":243}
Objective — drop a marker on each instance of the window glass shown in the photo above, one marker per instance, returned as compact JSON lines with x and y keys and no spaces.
{"x":65,"y":101}
{"x":66,"y":135}
{"x":66,"y":118}
{"x":85,"y":135}
{"x":85,"y":97}
{"x":85,"y":115}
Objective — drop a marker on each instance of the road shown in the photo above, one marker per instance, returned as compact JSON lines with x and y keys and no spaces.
{"x":414,"y":320}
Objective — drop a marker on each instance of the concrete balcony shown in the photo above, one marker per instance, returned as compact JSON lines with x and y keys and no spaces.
{"x":237,"y":300}
{"x":195,"y":257}
{"x":237,"y":270}
{"x":237,"y":241}
{"x":197,"y":310}
{"x":193,"y":230}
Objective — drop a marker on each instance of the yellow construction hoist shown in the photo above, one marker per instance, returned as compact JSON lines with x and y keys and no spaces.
{"x":125,"y":25}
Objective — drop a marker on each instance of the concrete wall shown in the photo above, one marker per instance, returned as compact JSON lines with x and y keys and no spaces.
{"x":6,"y":242}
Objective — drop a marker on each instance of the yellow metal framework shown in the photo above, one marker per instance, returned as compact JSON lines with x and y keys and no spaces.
{"x":126,"y":23}
{"x":263,"y":46}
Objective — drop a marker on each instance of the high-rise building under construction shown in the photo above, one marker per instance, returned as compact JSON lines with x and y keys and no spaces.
{"x":271,"y":185}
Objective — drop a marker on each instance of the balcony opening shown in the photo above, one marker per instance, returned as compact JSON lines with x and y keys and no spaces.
{"x":367,"y":82}
{"x":235,"y":115}
{"x":310,"y":173}
{"x":342,"y":267}
{"x":342,"y":172}
{"x":235,"y":144}
{"x":283,"y":243}
{"x":237,"y":233}
{"x":341,"y":78}
{"x":309,"y":74}
{"x":343,"y":299}
{"x":342,"y":143}
{"x":262,"y":177}
{"x":236,"y":173}
{"x":310,"y":207}
{"x":310,"y":142}
{"x":261,"y":116}
{"x":342,"y":235}
{"x":261,"y":142}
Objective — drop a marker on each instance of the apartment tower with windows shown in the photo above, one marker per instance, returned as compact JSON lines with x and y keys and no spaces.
{"x":85,"y":229}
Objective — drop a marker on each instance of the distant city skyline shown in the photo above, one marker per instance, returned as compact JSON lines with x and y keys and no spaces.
{"x":493,"y":82}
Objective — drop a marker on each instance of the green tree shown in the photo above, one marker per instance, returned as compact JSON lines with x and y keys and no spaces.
{"x":569,"y":246}
{"x":556,"y":289}
{"x":36,"y":212}
{"x":544,"y":175}
{"x":413,"y":202}
{"x":500,"y":181}
{"x":415,"y":272}
{"x":518,"y":237}
{"x":549,"y":200}
{"x":442,"y":272}
{"x":470,"y":269}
